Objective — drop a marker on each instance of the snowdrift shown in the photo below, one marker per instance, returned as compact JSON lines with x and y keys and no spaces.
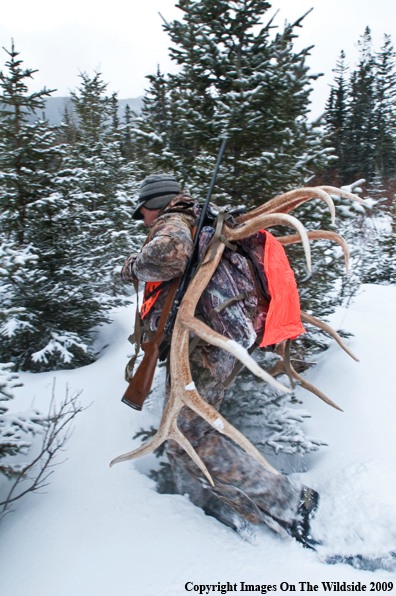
{"x":98,"y":531}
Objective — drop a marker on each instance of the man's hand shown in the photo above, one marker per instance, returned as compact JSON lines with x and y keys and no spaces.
{"x":127,"y":272}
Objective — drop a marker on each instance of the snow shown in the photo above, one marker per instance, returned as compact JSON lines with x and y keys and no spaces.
{"x":96,"y":531}
{"x":218,"y":423}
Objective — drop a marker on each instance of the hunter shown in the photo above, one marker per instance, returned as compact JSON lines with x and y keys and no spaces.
{"x":243,"y":489}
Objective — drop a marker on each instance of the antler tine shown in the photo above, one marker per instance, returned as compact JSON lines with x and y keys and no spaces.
{"x":315,"y":193}
{"x":189,"y":449}
{"x":167,"y":430}
{"x":312,"y":389}
{"x":232,"y":347}
{"x":305,"y":384}
{"x":212,"y":416}
{"x":145,"y":449}
{"x":343,"y":193}
{"x":289,"y":201}
{"x":161,"y":435}
{"x":262,"y":221}
{"x":317,"y":323}
{"x":320,"y":235}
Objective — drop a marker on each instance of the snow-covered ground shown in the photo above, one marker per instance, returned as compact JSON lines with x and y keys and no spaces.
{"x":98,"y":531}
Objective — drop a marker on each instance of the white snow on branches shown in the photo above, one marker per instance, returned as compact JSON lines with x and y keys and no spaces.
{"x":60,"y":344}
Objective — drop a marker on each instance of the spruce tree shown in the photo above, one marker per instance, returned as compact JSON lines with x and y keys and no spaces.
{"x":126,"y":143}
{"x":102,"y":183}
{"x":236,"y":78}
{"x":360,"y":157}
{"x":154,"y":136}
{"x":385,"y":110}
{"x":38,"y":299}
{"x":360,"y":117}
{"x":15,"y":428}
{"x":336,"y":113}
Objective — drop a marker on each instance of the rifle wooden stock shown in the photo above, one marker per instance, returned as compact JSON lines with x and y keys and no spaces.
{"x":140,"y":384}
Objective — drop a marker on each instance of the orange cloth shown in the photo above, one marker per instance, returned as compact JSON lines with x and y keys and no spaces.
{"x":150,"y":296}
{"x":283,"y":318}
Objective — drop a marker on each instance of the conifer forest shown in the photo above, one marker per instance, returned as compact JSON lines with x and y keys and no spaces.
{"x":67,"y":192}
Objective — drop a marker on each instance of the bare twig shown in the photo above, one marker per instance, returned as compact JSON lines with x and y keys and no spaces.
{"x":57,"y":431}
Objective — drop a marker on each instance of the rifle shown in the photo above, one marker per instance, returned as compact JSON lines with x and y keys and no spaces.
{"x":140,"y":384}
{"x":192,"y":266}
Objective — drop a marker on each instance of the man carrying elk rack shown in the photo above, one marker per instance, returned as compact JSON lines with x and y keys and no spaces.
{"x":217,"y":286}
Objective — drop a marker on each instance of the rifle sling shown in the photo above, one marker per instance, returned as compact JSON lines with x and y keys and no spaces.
{"x":216,"y":238}
{"x":167,"y":306}
{"x":137,"y":337}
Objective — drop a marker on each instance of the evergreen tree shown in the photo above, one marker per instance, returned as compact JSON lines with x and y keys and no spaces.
{"x":38,"y":298}
{"x":336,"y":113}
{"x":127,"y":149}
{"x":101,"y":183}
{"x":360,"y":118}
{"x":234,"y":78}
{"x":15,"y":428}
{"x":65,"y":224}
{"x":385,"y":110}
{"x":154,"y":135}
{"x":361,"y":133}
{"x":26,"y":153}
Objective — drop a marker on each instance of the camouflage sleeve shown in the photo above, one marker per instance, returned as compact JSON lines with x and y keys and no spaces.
{"x":167,"y":252}
{"x":127,"y":271}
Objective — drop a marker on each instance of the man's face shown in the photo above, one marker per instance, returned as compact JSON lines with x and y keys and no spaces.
{"x":150,"y":215}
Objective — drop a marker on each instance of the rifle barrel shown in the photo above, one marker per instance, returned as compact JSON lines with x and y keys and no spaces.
{"x":210,"y":191}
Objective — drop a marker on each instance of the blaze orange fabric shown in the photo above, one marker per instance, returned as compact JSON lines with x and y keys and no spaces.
{"x":149,"y":297}
{"x":283,"y":317}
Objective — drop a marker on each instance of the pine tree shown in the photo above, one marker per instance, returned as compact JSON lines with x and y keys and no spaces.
{"x":336,"y":113}
{"x":385,"y":109}
{"x":102,"y":184}
{"x":38,"y":284}
{"x":127,"y":149}
{"x":235,"y":78}
{"x":154,"y":134}
{"x":15,"y":428}
{"x":360,"y":156}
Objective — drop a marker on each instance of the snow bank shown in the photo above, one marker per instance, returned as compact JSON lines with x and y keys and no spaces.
{"x":101,"y":532}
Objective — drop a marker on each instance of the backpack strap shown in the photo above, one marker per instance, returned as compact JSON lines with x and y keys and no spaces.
{"x":135,"y":338}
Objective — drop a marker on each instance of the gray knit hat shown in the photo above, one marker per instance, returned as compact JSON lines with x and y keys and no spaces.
{"x":155,"y":192}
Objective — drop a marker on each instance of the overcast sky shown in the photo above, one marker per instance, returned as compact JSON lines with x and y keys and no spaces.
{"x":125,"y":41}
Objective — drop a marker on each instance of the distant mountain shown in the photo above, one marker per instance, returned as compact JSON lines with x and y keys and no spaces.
{"x":55,"y":107}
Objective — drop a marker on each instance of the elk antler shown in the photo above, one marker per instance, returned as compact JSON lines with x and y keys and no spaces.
{"x":319,"y":235}
{"x":290,"y":200}
{"x":305,"y":384}
{"x":183,"y":390}
{"x":317,"y":323}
